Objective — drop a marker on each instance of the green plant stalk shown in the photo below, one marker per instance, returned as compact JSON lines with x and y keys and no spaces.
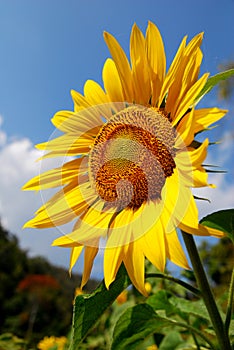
{"x":230,"y":303}
{"x":193,"y":331}
{"x":207,"y":294}
{"x":175,"y":280}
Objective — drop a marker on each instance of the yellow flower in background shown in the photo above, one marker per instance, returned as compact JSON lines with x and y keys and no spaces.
{"x":134,"y":159}
{"x":122,"y":297}
{"x":148,"y":287}
{"x":49,"y":343}
{"x":152,"y":347}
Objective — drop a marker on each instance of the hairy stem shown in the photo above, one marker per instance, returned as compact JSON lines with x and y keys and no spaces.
{"x":208,"y":298}
{"x":230,"y":303}
{"x":176,"y":280}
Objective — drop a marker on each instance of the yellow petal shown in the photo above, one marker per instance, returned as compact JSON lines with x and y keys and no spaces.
{"x":121,"y":229}
{"x":156,"y":59}
{"x":91,"y":225}
{"x":190,"y":217}
{"x":185,"y":76}
{"x":181,"y":86}
{"x":153,"y":245}
{"x":75,"y":253}
{"x":64,"y":206}
{"x":185,"y":128}
{"x":67,"y":145}
{"x":197,"y":156}
{"x":120,"y":235}
{"x":122,"y":65}
{"x":189,"y":99}
{"x":175,"y":251}
{"x":60,"y":120}
{"x":79,"y":101}
{"x":177,"y":199}
{"x":145,"y":218}
{"x":202,"y":231}
{"x":207,"y":116}
{"x":113,"y":258}
{"x":200,"y":178}
{"x":96,"y":217}
{"x":94,"y":93}
{"x":194,"y":68}
{"x":83,"y":122}
{"x":185,"y":169}
{"x":134,"y":261}
{"x":111,"y":80}
{"x":140,"y":73}
{"x":97,"y":97}
{"x":89,"y":256}
{"x":59,"y":176}
{"x":171,"y":74}
{"x":66,"y":241}
{"x":193,"y":45}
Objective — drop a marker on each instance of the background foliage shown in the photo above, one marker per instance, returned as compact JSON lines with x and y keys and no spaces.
{"x":36,"y":300}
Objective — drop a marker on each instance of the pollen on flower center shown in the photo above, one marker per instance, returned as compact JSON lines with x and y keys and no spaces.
{"x":132,"y":155}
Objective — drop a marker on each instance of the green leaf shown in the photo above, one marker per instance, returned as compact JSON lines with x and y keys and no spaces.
{"x":171,"y":341}
{"x":138,"y":323}
{"x":231,"y":329}
{"x":135,"y":325}
{"x":159,"y":301}
{"x":88,"y":308}
{"x":196,"y":308}
{"x":222,"y":220}
{"x":214,"y":80}
{"x":173,"y":305}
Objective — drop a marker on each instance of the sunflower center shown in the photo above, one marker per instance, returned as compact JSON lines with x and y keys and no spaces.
{"x":132,"y":156}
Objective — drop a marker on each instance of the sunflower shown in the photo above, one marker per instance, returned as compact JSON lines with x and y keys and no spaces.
{"x":134,"y":159}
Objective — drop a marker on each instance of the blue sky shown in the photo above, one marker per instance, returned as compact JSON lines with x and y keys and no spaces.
{"x":49,"y":47}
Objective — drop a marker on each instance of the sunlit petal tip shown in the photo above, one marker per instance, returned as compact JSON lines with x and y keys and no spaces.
{"x":74,"y":256}
{"x":209,"y":231}
{"x":26,"y":186}
{"x":152,"y":27}
{"x":28,"y":224}
{"x":41,"y":146}
{"x":107,"y":36}
{"x":212,"y":185}
{"x":143,"y":291}
{"x":65,"y":241}
{"x":73,"y":92}
{"x":108,"y":282}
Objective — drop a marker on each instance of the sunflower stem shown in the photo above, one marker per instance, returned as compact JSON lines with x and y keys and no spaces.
{"x":175,"y":280}
{"x":230,"y":303}
{"x":208,"y":298}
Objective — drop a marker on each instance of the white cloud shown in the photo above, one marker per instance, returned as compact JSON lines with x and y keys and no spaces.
{"x":18,"y":164}
{"x":18,"y":159}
